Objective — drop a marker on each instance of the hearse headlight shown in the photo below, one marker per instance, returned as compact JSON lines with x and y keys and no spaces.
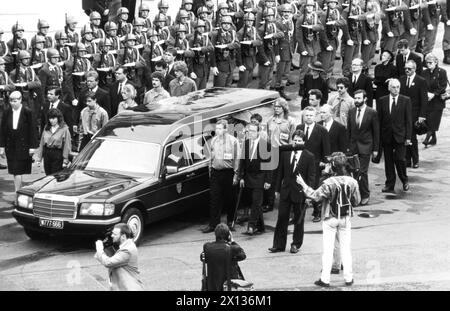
{"x":25,"y":201}
{"x":96,"y":209}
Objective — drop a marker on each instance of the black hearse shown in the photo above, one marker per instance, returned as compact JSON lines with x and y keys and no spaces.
{"x":140,"y":168}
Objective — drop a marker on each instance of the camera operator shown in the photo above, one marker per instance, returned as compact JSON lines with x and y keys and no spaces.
{"x":339,"y":194}
{"x":222,"y":258}
{"x":123,"y":265}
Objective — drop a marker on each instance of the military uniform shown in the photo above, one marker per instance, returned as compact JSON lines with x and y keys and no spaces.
{"x":285,"y":52}
{"x":246,"y":55}
{"x":6,"y":87}
{"x":431,"y":16}
{"x":105,"y":61}
{"x":351,"y":31}
{"x":445,"y":17}
{"x":224,"y":58}
{"x":200,"y":64}
{"x":370,"y":39}
{"x":75,"y":75}
{"x":136,"y":74}
{"x":393,"y":22}
{"x":412,"y":22}
{"x":267,"y":52}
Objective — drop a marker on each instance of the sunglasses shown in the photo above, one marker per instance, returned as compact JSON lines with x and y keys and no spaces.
{"x":408,"y":68}
{"x":341,"y":87}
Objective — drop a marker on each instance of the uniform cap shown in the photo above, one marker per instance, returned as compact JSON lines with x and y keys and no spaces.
{"x":152,"y":33}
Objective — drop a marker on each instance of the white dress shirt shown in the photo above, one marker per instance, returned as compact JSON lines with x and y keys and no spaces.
{"x":355,"y":78}
{"x":411,"y":79}
{"x":363,"y":110}
{"x":297,"y":155}
{"x":54,"y":105}
{"x":16,"y":115}
{"x":328,"y":124}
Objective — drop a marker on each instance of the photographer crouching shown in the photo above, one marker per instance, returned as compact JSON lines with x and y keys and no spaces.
{"x":123,"y":264}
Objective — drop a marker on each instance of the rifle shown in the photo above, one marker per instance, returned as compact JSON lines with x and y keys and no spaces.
{"x":15,"y":53}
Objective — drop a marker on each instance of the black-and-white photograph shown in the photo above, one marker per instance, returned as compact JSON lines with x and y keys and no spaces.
{"x":224,"y":145}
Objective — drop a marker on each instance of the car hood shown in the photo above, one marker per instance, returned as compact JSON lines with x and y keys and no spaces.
{"x":83,"y":184}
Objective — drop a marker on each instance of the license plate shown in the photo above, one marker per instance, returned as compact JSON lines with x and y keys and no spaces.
{"x":53,"y":224}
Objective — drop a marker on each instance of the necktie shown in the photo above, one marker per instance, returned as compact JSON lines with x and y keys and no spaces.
{"x":307,"y":134}
{"x":354,"y":80}
{"x":393,"y":104}
{"x":120,"y":88}
{"x":407,"y":82}
{"x":52,"y":105}
{"x":358,"y":118}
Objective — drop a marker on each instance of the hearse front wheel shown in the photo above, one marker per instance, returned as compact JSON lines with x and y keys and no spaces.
{"x":133,"y":218}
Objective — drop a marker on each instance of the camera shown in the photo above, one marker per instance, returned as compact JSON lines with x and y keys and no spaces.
{"x":109,"y":245}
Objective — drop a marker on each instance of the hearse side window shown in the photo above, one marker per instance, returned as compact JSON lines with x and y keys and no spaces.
{"x":175,"y":156}
{"x":197,"y":148}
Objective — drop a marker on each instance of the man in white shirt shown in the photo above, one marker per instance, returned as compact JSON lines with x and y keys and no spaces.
{"x":342,"y":102}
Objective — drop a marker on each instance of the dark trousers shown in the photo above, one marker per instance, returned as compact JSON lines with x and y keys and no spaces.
{"x":53,"y":160}
{"x":412,"y":152}
{"x":363,"y":180}
{"x":317,"y":206}
{"x":256,"y":213}
{"x":349,"y":52}
{"x":394,"y":158}
{"x":281,"y":230}
{"x":222,"y":196}
{"x":245,"y":77}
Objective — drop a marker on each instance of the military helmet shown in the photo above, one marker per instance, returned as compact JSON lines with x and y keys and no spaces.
{"x":163,"y":5}
{"x":2,"y":61}
{"x":222,"y":5}
{"x":60,"y":35}
{"x":130,"y":37}
{"x":226,"y":20}
{"x":268,"y":12}
{"x":144,"y":7}
{"x":249,"y":17}
{"x":51,"y":52}
{"x":17,"y":27}
{"x":24,"y":54}
{"x":110,"y":26}
{"x":183,"y":14}
{"x":71,"y":20}
{"x":160,"y":17}
{"x":123,"y":10}
{"x":180,"y":28}
{"x":86,"y":29}
{"x":37,"y":39}
{"x":80,"y":47}
{"x":105,"y":42}
{"x":139,"y":22}
{"x":95,"y":15}
{"x":310,"y":2}
{"x":184,"y":2}
{"x":152,"y":33}
{"x":43,"y":24}
{"x":202,"y":9}
{"x":336,"y":1}
{"x":200,"y":23}
{"x":286,"y":8}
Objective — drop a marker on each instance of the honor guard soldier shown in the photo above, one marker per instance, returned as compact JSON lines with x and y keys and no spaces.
{"x":269,"y":49}
{"x":180,"y":43}
{"x":412,"y":23}
{"x":130,"y":58}
{"x":6,"y":86}
{"x":250,"y":40}
{"x":284,"y":60}
{"x":104,"y":63}
{"x":182,"y":19}
{"x":144,"y":13}
{"x":3,"y":46}
{"x":266,"y":4}
{"x":236,"y":15}
{"x":87,"y":38}
{"x":15,"y":45}
{"x":200,"y":64}
{"x":111,"y":34}
{"x":43,"y":28}
{"x":393,"y":25}
{"x":430,"y":22}
{"x":163,"y":7}
{"x":308,"y":30}
{"x":223,"y":60}
{"x":332,"y":21}
{"x":123,"y":27}
{"x":75,"y":73}
{"x":38,"y":53}
{"x":351,"y":38}
{"x":69,"y":29}
{"x":222,"y":11}
{"x":51,"y":74}
{"x":141,"y":36}
{"x":95,"y":20}
{"x":161,"y":28}
{"x":62,"y":45}
{"x":445,"y":13}
{"x":187,"y":6}
{"x":369,"y":32}
{"x":27,"y":82}
{"x":154,"y":50}
{"x":202,"y":14}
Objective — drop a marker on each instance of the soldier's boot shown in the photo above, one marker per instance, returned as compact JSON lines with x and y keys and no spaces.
{"x":446,"y":59}
{"x":282,"y":93}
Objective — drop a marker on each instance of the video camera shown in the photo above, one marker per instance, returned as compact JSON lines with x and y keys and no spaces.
{"x":108,"y":244}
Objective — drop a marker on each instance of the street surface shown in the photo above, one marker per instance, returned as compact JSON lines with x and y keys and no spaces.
{"x":399,"y":242}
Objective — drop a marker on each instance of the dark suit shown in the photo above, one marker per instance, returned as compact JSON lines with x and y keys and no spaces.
{"x":364,"y":140}
{"x":417,"y":93}
{"x":396,"y":128}
{"x":116,"y":97}
{"x":103,"y":99}
{"x":400,"y":63}
{"x":291,"y":194}
{"x":166,"y":83}
{"x":17,"y":143}
{"x":338,"y":137}
{"x":255,"y":175}
{"x":319,"y":145}
{"x":363,"y":83}
{"x":66,"y":111}
{"x":217,"y":261}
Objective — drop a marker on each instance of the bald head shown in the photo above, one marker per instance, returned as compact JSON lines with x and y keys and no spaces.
{"x":326,"y":113}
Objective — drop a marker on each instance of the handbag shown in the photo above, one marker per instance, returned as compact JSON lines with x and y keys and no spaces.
{"x":235,"y":284}
{"x":421,"y":128}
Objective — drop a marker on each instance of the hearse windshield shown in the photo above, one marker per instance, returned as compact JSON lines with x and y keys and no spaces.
{"x":123,"y":157}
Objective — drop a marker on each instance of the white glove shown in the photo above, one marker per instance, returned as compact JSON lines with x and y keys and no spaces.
{"x":242,"y":68}
{"x":430,"y":27}
{"x":390,"y":34}
{"x":215,"y":71}
{"x":304,"y":53}
{"x":193,"y":75}
{"x":329,"y":48}
{"x":413,"y":31}
{"x":366,"y":42}
{"x":448,"y":22}
{"x":75,"y":102}
{"x":277,"y":59}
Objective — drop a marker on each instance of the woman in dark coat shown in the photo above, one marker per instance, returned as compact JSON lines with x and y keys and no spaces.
{"x":436,"y":78}
{"x":217,"y":258}
{"x":314,"y":80}
{"x":18,"y":138}
{"x":384,"y":71}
